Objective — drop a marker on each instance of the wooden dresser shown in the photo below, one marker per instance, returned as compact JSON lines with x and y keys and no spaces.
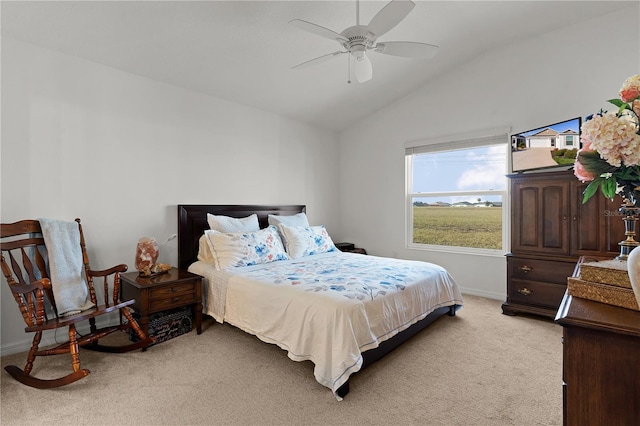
{"x":550,"y":229}
{"x":601,"y":363}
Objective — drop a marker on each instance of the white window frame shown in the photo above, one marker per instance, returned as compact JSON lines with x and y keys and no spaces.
{"x":449,"y":143}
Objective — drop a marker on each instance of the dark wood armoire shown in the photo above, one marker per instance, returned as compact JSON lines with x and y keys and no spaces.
{"x":550,"y":229}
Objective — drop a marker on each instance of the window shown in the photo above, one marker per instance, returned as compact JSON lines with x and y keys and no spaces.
{"x":455,"y":195}
{"x":568,"y":141}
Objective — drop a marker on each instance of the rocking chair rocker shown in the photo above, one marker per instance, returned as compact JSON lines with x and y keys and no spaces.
{"x":25,"y":268}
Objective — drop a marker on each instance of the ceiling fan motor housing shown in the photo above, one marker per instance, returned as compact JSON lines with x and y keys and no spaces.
{"x":359,"y":39}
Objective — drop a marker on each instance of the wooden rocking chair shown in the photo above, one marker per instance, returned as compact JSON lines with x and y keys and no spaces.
{"x":24,"y":266}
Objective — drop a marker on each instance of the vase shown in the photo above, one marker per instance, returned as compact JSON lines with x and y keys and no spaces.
{"x":633,"y":266}
{"x":630,"y":212}
{"x":146,"y":254}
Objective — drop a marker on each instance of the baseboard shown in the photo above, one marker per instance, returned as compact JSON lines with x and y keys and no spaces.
{"x":487,"y":294}
{"x":55,"y":336}
{"x":48,"y":338}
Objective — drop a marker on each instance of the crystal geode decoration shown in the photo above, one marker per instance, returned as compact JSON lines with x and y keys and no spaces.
{"x":146,"y":254}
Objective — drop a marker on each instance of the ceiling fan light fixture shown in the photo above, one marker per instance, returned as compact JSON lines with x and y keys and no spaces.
{"x":362,"y":68}
{"x":358,"y":51}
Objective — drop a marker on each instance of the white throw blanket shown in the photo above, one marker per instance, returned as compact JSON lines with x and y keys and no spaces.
{"x":70,"y":290}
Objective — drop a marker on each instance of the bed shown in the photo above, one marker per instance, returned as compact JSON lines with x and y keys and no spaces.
{"x":342,"y":311}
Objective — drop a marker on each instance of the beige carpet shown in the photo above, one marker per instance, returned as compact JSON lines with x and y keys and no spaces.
{"x":478,"y":368}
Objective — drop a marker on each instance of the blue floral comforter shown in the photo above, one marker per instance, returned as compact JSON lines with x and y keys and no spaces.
{"x":331,"y":307}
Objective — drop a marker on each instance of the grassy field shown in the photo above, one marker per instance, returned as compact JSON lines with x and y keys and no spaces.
{"x":478,"y":227}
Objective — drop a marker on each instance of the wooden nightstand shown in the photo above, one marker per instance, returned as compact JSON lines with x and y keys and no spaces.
{"x":350,"y":248}
{"x":174,"y":289}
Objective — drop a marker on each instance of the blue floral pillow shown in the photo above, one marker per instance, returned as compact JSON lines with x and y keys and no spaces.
{"x":237,"y":249}
{"x":301,"y":241}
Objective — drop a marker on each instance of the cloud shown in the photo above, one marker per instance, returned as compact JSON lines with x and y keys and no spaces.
{"x":487,"y":172}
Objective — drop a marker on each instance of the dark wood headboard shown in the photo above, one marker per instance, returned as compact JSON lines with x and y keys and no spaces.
{"x":192,"y":222}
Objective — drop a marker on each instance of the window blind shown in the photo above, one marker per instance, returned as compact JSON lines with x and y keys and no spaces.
{"x":460,"y":141}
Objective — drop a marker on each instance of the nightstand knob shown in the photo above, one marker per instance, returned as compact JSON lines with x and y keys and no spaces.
{"x":525,"y":291}
{"x":526,"y":269}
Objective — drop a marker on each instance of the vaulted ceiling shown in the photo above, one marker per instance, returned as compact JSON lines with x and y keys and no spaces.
{"x":243,"y":51}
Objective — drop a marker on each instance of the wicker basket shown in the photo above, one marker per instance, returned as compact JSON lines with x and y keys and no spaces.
{"x":612,"y":272}
{"x":603,"y":293}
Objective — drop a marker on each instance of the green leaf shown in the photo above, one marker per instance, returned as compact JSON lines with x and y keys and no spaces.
{"x":591,"y":189}
{"x":624,"y":174}
{"x":595,"y":164}
{"x":621,"y":105}
{"x":628,"y":175}
{"x":608,"y":188}
{"x":616,"y":102}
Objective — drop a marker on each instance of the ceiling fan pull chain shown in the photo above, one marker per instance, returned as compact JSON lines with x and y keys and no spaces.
{"x":349,"y":69}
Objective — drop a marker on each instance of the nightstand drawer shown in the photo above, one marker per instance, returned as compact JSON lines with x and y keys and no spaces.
{"x":536,"y":293}
{"x":540,"y":270}
{"x":169,"y":291}
{"x":172,"y":302}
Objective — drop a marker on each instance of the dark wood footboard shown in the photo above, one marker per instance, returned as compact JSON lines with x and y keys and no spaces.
{"x":373,"y":355}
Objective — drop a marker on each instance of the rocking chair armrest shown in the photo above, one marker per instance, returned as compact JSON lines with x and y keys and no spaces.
{"x":106,"y":272}
{"x":41,"y":284}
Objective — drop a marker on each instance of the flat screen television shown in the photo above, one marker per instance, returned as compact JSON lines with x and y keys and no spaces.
{"x":547,"y":147}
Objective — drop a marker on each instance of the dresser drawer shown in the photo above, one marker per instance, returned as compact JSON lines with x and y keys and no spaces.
{"x":540,"y":270}
{"x":536,"y":293}
{"x":168,"y":291}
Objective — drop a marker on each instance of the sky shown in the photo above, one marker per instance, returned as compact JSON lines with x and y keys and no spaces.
{"x":473,"y":169}
{"x":573,"y":124}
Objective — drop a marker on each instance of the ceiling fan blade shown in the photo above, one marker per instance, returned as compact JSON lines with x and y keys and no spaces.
{"x":318,"y":60}
{"x":407,"y":49}
{"x":318,"y":30}
{"x":362,"y":68}
{"x":390,"y":16}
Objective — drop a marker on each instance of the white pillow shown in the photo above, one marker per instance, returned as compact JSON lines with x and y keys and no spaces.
{"x":301,"y":241}
{"x":231,"y":224}
{"x":204,"y":252}
{"x":236,"y":249}
{"x":299,"y":219}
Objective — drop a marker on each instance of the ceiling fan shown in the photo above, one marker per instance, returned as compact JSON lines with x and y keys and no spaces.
{"x":360,"y":39}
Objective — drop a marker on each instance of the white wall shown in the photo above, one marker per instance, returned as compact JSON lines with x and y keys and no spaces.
{"x":514,"y":86}
{"x":121,"y":151}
